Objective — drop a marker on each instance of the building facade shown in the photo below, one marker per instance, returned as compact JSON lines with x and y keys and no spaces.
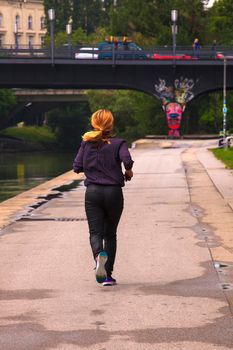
{"x":22,"y":23}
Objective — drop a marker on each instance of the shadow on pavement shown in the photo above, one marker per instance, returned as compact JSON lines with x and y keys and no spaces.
{"x":29,"y":335}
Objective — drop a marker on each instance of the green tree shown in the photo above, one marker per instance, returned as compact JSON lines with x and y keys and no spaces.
{"x":69,"y":124}
{"x":134,"y":16}
{"x":152,"y":20}
{"x":87,"y":14}
{"x":136,"y":114}
{"x":219,"y":24}
{"x":192,"y":21}
{"x":7,"y":102}
{"x":108,"y":7}
{"x":204,"y":114}
{"x":63,"y":12}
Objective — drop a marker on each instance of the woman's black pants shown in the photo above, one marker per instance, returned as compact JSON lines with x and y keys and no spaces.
{"x":104,"y":205}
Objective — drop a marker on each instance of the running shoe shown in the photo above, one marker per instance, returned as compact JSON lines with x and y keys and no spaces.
{"x":109,"y":281}
{"x":100,"y":272}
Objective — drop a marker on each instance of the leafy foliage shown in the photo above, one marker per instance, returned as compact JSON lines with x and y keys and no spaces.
{"x":152,"y":20}
{"x":136,"y":114}
{"x":68,"y":124}
{"x":7,"y":102}
{"x":36,"y":134}
{"x":219,"y":24}
{"x":87,"y":14}
{"x":63,"y":12}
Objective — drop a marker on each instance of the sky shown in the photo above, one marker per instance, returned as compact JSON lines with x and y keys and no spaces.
{"x":210,"y":3}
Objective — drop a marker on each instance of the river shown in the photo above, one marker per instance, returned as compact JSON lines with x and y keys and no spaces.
{"x":22,"y":171}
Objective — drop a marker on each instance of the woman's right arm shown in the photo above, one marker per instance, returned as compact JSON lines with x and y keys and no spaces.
{"x":78,"y":162}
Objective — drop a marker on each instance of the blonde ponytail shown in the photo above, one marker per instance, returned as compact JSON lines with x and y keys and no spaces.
{"x":102,"y":122}
{"x":92,"y":135}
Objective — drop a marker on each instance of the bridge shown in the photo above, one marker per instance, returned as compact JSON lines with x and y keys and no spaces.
{"x":38,"y":101}
{"x":49,"y":95}
{"x":170,"y":80}
{"x":24,"y":68}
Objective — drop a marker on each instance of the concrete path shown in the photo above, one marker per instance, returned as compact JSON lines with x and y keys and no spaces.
{"x":174,"y":264}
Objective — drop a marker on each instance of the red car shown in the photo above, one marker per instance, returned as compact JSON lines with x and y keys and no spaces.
{"x":157,"y":56}
{"x":219,"y":55}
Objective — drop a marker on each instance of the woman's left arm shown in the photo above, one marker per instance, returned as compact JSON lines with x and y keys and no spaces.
{"x":78,"y":162}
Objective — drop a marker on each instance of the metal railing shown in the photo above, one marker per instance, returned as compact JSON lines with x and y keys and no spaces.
{"x":74,"y":53}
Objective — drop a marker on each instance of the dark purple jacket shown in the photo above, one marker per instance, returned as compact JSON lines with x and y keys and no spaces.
{"x":101,"y":162}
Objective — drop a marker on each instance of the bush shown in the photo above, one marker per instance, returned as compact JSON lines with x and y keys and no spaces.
{"x":69,"y":124}
{"x":36,"y":134}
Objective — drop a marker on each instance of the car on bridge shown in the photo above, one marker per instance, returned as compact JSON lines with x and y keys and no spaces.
{"x":157,"y":56}
{"x":222,"y":56}
{"x":120,"y":48}
{"x":87,"y":53}
{"x":203,"y":55}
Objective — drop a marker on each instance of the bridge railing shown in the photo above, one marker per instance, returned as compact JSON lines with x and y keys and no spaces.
{"x":153,"y":53}
{"x":11,"y":51}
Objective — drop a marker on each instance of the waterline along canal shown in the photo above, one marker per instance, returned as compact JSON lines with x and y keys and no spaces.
{"x":22,"y":171}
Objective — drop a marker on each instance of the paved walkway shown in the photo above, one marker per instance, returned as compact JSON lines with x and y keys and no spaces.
{"x":174,"y":263}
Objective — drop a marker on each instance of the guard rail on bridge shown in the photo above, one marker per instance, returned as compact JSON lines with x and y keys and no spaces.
{"x":196,"y":72}
{"x":155,"y":53}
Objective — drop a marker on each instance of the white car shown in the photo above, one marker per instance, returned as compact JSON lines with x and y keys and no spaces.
{"x":87,"y":53}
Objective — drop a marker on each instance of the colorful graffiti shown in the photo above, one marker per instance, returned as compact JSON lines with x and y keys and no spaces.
{"x":174,"y":98}
{"x":173,"y":112}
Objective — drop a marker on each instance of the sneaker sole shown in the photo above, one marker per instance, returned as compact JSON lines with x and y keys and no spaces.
{"x":108,"y":284}
{"x":100,"y":272}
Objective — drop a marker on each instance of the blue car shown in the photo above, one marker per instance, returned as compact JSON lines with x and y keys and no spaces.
{"x":122,"y":48}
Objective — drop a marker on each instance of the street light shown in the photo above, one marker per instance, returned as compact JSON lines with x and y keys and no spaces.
{"x":174,"y":17}
{"x":68,"y":32}
{"x":16,"y":35}
{"x":224,"y":109}
{"x":51,"y":17}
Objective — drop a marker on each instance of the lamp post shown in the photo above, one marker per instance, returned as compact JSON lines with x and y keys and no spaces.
{"x":224,"y":109}
{"x":68,"y":32}
{"x":16,"y":35}
{"x":51,"y":17}
{"x":174,"y":17}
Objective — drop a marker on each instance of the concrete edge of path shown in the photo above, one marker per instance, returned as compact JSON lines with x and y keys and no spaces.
{"x":13,"y":208}
{"x":152,"y":143}
{"x":219,"y":174}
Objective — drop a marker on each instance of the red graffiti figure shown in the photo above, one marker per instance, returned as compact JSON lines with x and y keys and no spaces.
{"x":173,"y":112}
{"x":174,"y":97}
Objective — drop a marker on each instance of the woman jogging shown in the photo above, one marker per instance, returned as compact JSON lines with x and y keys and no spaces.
{"x":100,"y":157}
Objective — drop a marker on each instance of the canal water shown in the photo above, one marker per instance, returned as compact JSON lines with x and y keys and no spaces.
{"x":22,"y":171}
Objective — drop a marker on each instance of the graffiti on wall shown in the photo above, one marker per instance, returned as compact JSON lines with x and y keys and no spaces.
{"x":174,"y":98}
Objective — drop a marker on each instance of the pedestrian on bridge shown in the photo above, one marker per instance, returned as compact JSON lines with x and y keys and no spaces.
{"x":214,"y":48}
{"x":100,"y":157}
{"x":196,"y":48}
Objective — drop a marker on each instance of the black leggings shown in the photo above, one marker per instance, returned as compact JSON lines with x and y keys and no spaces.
{"x":104,"y":205}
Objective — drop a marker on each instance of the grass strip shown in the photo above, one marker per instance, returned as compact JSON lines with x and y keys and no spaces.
{"x":225,"y":155}
{"x":36,"y":134}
